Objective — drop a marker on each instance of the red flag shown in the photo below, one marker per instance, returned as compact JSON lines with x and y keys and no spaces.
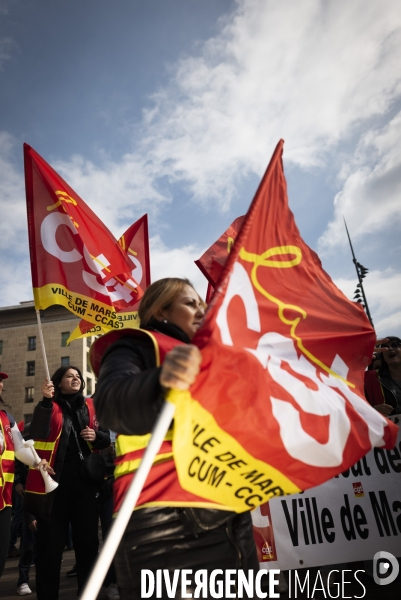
{"x":278,"y":406}
{"x":75,"y":260}
{"x":135,"y":242}
{"x":211,"y":263}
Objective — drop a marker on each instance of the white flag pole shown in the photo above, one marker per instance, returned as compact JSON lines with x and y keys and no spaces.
{"x":42,"y":343}
{"x":119,"y":526}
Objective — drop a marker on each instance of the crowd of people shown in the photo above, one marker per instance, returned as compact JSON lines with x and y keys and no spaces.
{"x":135,"y":367}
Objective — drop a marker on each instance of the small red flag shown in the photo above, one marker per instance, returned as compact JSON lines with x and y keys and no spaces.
{"x":135,"y":242}
{"x":211,"y":263}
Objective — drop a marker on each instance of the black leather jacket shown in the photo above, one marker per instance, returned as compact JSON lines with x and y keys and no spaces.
{"x":128,"y":394}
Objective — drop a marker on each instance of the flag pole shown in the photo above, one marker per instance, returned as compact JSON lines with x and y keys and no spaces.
{"x":42,"y":343}
{"x":119,"y":526}
{"x":361,"y":272}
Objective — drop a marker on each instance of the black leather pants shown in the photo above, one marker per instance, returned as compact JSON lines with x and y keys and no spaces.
{"x":75,"y":501}
{"x":5,"y":533}
{"x":173,"y":538}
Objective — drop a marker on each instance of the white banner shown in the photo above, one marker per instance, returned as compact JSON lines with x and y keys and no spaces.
{"x":348,"y":518}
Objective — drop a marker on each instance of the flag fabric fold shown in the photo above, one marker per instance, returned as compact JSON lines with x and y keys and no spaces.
{"x":75,"y":260}
{"x":212,"y":262}
{"x":278,"y":406}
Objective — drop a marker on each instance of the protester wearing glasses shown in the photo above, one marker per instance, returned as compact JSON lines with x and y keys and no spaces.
{"x":383,"y":386}
{"x":168,"y":529}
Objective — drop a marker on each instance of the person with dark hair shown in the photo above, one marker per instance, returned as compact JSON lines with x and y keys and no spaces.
{"x":169,"y":528}
{"x":375,"y":362}
{"x":383,"y":386}
{"x":66,"y":432}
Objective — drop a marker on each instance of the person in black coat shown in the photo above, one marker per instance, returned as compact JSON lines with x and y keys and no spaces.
{"x":76,"y":500}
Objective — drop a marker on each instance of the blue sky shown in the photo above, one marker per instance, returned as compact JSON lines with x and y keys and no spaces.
{"x":173,"y":107}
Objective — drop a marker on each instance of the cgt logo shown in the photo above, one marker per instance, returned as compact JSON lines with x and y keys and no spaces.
{"x":385,"y":568}
{"x":267,"y":552}
{"x":358,"y":489}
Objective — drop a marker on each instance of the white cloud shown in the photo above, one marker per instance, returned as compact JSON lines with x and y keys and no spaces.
{"x":306,"y":71}
{"x":14,"y":266}
{"x":115,"y":191}
{"x":311,"y":72}
{"x":16,"y":282}
{"x":12,"y":194}
{"x":370,"y":197}
{"x":176,"y":262}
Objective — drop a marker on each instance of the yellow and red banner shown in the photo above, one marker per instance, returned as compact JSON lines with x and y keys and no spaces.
{"x":278,"y":406}
{"x":75,"y":260}
{"x":135,"y":242}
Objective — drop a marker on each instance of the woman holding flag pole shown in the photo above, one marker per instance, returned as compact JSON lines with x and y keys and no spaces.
{"x":169,"y":528}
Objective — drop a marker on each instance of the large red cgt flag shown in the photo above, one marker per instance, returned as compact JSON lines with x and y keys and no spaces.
{"x":135,"y":242}
{"x":75,"y":260}
{"x":278,"y":406}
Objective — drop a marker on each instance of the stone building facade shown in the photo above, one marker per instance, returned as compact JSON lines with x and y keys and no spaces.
{"x":21,"y":353}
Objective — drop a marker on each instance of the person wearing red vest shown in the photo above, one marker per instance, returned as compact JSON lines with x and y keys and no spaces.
{"x":65,"y":429}
{"x":11,"y":446}
{"x":169,"y":528}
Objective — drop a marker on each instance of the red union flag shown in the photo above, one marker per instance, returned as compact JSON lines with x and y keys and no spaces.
{"x":75,"y":260}
{"x":278,"y":406}
{"x":211,"y":263}
{"x":135,"y":242}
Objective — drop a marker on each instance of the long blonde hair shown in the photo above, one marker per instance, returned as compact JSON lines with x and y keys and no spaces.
{"x":160,"y":295}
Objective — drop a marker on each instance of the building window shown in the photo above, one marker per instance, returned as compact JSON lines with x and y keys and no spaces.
{"x":32,"y":342}
{"x":65,"y":361}
{"x":64,"y":337}
{"x":1,"y":346}
{"x":89,"y":341}
{"x":88,"y":365}
{"x":27,"y":418}
{"x":30,"y":367}
{"x":29,"y":394}
{"x":89,"y":386}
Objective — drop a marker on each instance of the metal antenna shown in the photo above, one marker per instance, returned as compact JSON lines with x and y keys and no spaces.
{"x":361,"y":272}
